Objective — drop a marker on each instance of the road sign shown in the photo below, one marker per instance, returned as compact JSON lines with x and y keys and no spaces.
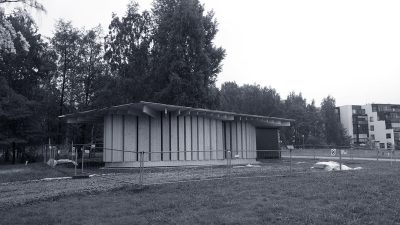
{"x":333,"y":152}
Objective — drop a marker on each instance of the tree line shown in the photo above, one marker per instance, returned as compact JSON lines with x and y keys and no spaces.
{"x":165,"y":54}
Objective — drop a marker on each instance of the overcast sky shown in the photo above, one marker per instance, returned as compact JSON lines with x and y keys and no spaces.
{"x":349,"y":49}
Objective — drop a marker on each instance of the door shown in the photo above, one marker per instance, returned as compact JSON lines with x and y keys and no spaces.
{"x":267,"y":139}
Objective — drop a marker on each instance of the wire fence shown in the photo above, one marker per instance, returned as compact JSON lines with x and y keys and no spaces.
{"x":159,"y":167}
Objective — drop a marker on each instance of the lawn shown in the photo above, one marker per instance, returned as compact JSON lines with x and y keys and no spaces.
{"x":32,"y":171}
{"x":369,"y":196}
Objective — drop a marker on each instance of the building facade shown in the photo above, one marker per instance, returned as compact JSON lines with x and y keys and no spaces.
{"x":168,"y":135}
{"x":378,"y":124}
{"x":355,"y":121}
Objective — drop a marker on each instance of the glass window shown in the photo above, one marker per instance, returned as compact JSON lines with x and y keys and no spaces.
{"x":382,"y":145}
{"x":388,"y":136}
{"x":371,"y":119}
{"x":371,"y":128}
{"x":372,"y":136}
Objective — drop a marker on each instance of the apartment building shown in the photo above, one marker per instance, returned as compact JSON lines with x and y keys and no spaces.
{"x":378,"y":124}
{"x":355,"y":121}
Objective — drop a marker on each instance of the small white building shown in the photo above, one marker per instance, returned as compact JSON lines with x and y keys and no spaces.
{"x":170,"y":135}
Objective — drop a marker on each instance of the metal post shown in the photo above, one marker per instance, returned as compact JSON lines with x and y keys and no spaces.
{"x":228,"y":159}
{"x":314,"y":152}
{"x":340,"y":159}
{"x":83,"y":154}
{"x":141,"y":168}
{"x":76,"y":156}
{"x":290,"y":153}
{"x":43,"y":153}
{"x":391,"y":158}
{"x":50,"y":148}
{"x":377,"y":155}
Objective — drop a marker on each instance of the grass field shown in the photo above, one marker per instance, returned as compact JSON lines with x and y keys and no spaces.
{"x":369,"y":196}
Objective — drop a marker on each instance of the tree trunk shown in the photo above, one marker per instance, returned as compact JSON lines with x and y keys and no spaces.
{"x":13,"y":151}
{"x":62,"y":94}
{"x":6,"y":155}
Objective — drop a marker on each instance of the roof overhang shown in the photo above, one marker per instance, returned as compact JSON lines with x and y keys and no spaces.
{"x":154,"y":109}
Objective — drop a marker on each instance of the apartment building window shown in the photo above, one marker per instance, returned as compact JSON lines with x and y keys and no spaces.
{"x":372,"y":136}
{"x":371,"y":119}
{"x":371,"y":128}
{"x":381,"y":145}
{"x":388,"y":136}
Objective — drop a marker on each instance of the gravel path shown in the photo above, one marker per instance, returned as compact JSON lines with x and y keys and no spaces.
{"x":25,"y":192}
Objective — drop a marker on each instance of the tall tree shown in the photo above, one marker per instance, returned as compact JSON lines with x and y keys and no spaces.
{"x":25,"y":68}
{"x":185,"y":60}
{"x":66,"y":44}
{"x":127,"y":51}
{"x":316,"y":128}
{"x":91,"y":65}
{"x":335,"y":133}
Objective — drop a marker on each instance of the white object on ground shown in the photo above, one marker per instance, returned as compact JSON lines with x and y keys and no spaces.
{"x":54,"y":163}
{"x":332,"y":166}
{"x":248,"y":165}
{"x":55,"y":178}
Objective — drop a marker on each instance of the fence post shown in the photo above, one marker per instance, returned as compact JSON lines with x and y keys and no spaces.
{"x":76,"y":160}
{"x":228,"y":162}
{"x":83,"y":154}
{"x":44,"y":151}
{"x":377,"y":155}
{"x":340,"y":159}
{"x":314,"y":152}
{"x":141,"y":168}
{"x":391,"y":158}
{"x":290,"y":153}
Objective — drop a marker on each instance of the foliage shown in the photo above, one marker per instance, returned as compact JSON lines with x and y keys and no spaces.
{"x":164,"y":55}
{"x":250,"y":99}
{"x":335,"y":133}
{"x":186,"y":61}
{"x":127,"y":51}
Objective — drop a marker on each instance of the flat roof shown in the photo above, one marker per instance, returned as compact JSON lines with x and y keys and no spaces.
{"x":154,"y":109}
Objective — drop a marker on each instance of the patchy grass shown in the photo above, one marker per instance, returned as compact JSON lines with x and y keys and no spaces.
{"x":368,"y":196}
{"x":20,"y":172}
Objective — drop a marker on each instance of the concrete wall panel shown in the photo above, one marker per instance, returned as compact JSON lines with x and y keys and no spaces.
{"x":188,"y":138}
{"x":165,"y":137}
{"x":213,"y":139}
{"x":200,"y":133}
{"x":155,"y":138}
{"x":130,"y":139}
{"x":107,"y":138}
{"x":207,"y":139}
{"x":220,"y":136}
{"x":174,"y":138}
{"x":181,"y":138}
{"x":144,"y":136}
{"x":195,"y":148}
{"x":118,"y":145}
